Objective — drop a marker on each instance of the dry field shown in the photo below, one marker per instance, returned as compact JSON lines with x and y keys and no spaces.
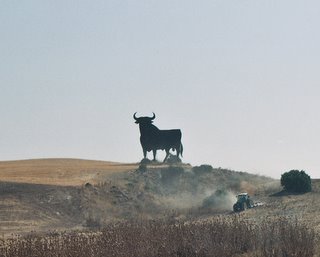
{"x":80,"y":195}
{"x":59,"y":172}
{"x":304,"y":208}
{"x":37,"y":195}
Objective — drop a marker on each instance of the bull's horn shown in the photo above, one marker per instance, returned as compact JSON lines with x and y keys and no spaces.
{"x":134,"y":116}
{"x":153,"y":117}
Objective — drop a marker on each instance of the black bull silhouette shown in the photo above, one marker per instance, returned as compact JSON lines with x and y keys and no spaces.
{"x":153,"y":139}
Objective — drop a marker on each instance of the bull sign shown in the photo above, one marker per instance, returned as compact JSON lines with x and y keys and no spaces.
{"x":153,"y":139}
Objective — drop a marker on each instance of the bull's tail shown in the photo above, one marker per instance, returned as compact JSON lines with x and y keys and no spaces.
{"x":181,"y":149}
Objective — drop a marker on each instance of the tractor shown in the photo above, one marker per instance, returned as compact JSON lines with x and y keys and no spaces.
{"x":243,"y":202}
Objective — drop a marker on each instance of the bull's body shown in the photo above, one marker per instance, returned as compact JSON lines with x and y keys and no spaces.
{"x":153,"y":139}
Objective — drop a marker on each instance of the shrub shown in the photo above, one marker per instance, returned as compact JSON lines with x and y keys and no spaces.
{"x":296,"y":181}
{"x":202,"y":169}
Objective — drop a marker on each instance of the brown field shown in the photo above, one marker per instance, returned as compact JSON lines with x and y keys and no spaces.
{"x":81,"y":195}
{"x":60,"y":172}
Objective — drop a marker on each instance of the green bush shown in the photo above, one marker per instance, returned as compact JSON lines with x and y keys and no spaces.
{"x":296,"y":181}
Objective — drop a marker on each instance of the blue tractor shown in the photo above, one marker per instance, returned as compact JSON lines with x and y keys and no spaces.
{"x":243,"y":202}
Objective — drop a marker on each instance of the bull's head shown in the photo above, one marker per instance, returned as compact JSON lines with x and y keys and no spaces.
{"x":144,"y":120}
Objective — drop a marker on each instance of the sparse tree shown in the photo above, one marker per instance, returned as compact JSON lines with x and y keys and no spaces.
{"x":296,"y":181}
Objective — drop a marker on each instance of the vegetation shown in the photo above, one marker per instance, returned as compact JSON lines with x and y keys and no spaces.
{"x":231,"y":236}
{"x":204,"y":168}
{"x":296,"y":181}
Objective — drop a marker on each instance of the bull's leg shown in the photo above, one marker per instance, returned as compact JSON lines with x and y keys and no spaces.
{"x":154,"y":154}
{"x":167,"y":155}
{"x":144,"y":153}
{"x":178,"y":151}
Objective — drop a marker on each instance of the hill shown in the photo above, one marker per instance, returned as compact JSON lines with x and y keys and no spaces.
{"x":67,"y":194}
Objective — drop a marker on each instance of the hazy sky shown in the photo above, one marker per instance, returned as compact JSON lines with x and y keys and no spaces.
{"x":240,"y":78}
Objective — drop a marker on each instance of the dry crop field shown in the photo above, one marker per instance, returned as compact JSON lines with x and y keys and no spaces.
{"x":60,"y":172}
{"x":96,"y":208}
{"x":230,"y":236}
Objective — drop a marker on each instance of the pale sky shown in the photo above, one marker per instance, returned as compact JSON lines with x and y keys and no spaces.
{"x":240,"y":78}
